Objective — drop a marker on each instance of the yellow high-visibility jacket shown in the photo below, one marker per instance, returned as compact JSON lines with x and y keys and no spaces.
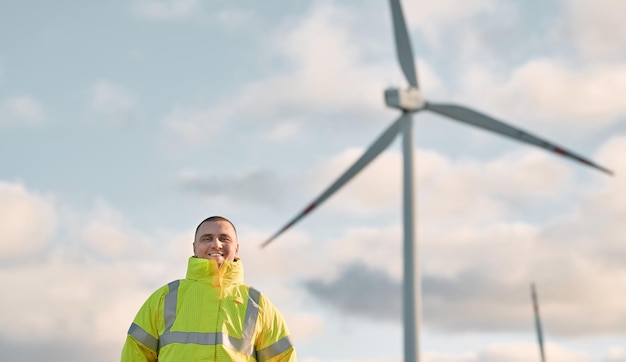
{"x":209,"y":316}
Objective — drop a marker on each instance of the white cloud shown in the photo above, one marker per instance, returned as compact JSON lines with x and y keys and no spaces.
{"x":479,"y":265}
{"x":375,"y":188}
{"x":71,"y":287}
{"x":105,"y":230}
{"x":549,"y":90}
{"x":511,"y":352}
{"x":94,"y":279}
{"x":611,"y":153}
{"x":283,"y":132}
{"x":29,"y":221}
{"x":575,"y":254}
{"x":478,"y":191}
{"x":517,"y":352}
{"x":113,"y":102}
{"x":165,"y":9}
{"x":326,"y":79}
{"x":22,"y":109}
{"x":72,"y":296}
{"x":304,"y":325}
{"x":374,"y":246}
{"x":596,"y":28}
{"x":510,"y":248}
{"x":457,"y":250}
{"x":557,"y":89}
{"x":446,"y":188}
{"x":195,"y":126}
{"x":270,"y":262}
{"x":615,"y":354}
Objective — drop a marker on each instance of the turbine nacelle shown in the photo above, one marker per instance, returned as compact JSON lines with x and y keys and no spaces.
{"x":408,"y":100}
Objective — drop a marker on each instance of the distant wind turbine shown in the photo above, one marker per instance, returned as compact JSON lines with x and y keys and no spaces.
{"x":533,"y":294}
{"x":410,"y":101}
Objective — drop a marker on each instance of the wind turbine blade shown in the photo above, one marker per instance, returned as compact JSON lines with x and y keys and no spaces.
{"x":537,"y":321}
{"x":474,"y":118}
{"x":374,"y":150}
{"x":403,"y":44}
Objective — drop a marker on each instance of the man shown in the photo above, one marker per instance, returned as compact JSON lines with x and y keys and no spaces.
{"x":210,"y":315}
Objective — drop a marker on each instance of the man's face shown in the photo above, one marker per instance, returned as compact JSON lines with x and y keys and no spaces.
{"x":216,"y":240}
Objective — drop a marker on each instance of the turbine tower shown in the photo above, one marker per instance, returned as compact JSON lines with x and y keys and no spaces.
{"x":410,"y":101}
{"x":533,"y":294}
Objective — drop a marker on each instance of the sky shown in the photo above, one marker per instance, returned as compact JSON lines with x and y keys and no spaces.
{"x":123,"y":124}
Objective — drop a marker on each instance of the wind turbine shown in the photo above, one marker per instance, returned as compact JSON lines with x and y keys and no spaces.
{"x":410,"y":101}
{"x":533,"y":294}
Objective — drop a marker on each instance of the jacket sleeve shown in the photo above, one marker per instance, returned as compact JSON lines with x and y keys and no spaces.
{"x":274,"y":342}
{"x":142,"y":340}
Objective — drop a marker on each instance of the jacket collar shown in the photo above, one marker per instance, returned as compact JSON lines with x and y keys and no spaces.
{"x":206,"y":271}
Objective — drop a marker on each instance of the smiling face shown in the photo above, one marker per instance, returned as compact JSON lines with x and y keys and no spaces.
{"x":216,"y":239}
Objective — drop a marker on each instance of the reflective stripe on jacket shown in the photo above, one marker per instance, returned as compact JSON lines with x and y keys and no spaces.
{"x":209,"y":316}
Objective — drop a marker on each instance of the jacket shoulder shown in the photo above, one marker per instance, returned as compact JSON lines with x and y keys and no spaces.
{"x":165,"y":289}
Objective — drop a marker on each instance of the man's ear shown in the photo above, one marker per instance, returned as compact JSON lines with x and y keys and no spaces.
{"x":237,"y":250}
